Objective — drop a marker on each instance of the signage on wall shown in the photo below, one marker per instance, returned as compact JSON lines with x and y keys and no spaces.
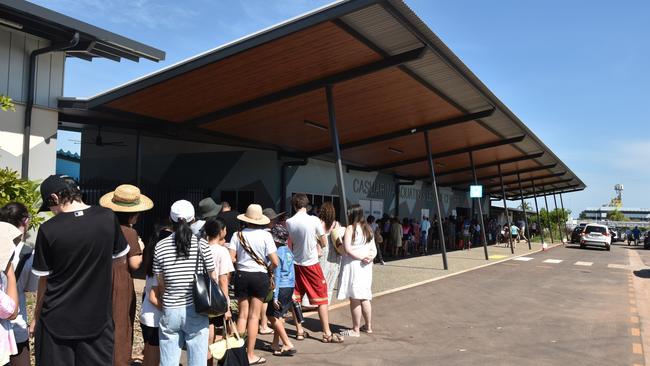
{"x":476,"y":191}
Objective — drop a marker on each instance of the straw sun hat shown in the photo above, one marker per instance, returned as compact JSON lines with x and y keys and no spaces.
{"x":8,"y":235}
{"x":126,"y":198}
{"x":254,"y":215}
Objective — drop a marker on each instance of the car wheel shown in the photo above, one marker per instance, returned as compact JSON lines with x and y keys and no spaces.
{"x":582,"y":246}
{"x":609,"y":248}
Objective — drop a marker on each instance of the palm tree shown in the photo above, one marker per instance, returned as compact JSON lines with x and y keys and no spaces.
{"x":526,"y":207}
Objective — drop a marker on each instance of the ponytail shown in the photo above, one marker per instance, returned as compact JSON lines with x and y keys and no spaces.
{"x":182,"y":238}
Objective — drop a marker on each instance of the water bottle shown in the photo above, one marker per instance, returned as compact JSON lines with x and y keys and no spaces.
{"x":297,"y":310}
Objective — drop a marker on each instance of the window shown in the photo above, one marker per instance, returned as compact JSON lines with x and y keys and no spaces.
{"x":317,"y":200}
{"x":239,"y":200}
{"x":595,"y":229}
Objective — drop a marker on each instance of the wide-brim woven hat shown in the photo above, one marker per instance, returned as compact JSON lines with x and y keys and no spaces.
{"x":254,"y":215}
{"x":8,"y":233}
{"x":126,"y":198}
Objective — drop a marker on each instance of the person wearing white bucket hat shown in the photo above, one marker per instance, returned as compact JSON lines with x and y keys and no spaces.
{"x":252,"y":249}
{"x":174,"y":264}
{"x":127,"y":202}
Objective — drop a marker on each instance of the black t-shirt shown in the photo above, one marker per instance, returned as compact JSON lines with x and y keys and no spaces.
{"x":232,"y":224}
{"x":76,"y":251}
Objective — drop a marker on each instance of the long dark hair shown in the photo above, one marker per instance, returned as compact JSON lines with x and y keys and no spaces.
{"x":14,"y":213}
{"x":355,"y":217}
{"x":182,"y":237}
{"x":327,"y":214}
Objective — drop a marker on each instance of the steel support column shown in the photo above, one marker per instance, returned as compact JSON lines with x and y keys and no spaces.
{"x":548,"y":214}
{"x":505,"y":207}
{"x":539,"y":220}
{"x":559,"y":228}
{"x":523,"y":208}
{"x":566,"y":232}
{"x":434,"y":186}
{"x":334,"y":133}
{"x":480,"y":209}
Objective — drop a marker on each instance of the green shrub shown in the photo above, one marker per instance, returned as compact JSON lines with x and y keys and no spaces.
{"x":6,"y":104}
{"x":15,"y":189}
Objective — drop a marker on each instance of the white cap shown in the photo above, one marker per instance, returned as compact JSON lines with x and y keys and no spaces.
{"x":182,"y":210}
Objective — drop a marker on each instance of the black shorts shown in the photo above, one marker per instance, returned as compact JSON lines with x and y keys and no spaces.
{"x":150,"y":335}
{"x":52,"y":351}
{"x":21,"y":346}
{"x":217,"y":321}
{"x":251,"y":284}
{"x":285,"y":298}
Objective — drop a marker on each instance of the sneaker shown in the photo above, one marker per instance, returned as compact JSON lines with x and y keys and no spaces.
{"x":382,"y":263}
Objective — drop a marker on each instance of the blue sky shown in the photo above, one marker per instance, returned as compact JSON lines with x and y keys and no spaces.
{"x":575,"y":72}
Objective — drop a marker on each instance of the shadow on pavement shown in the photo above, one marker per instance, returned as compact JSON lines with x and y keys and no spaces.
{"x":643,"y":273}
{"x":598,"y":249}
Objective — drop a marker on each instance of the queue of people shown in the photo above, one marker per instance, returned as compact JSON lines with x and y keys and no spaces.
{"x":85,"y":257}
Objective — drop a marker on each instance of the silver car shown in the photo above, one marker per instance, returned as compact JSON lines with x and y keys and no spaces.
{"x":596,"y":235}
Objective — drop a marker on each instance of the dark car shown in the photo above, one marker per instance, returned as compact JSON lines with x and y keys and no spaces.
{"x":575,"y":234}
{"x":646,"y":240}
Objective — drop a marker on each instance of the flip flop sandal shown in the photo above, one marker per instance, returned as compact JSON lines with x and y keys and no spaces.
{"x":332,"y":338}
{"x":285,"y":352}
{"x":259,"y":361}
{"x":270,"y":331}
{"x":365,"y":329}
{"x":302,"y":336}
{"x":268,"y":348}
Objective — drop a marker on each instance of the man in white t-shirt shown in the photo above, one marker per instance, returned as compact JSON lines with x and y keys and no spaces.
{"x":307,"y":234}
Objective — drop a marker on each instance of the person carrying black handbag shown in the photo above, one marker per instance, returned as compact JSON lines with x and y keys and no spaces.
{"x":251,"y":248}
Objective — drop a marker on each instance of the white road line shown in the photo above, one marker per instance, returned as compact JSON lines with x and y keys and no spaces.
{"x":618,"y":266}
{"x":586,"y":264}
{"x":524,"y":259}
{"x":553,"y":261}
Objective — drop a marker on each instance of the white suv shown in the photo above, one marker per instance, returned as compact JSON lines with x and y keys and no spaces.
{"x":596,"y":235}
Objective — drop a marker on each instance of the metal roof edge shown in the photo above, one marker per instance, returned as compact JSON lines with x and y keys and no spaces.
{"x":324,"y":13}
{"x":76,"y":24}
{"x":440,"y":47}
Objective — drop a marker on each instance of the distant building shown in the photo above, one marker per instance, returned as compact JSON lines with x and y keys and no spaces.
{"x":600,"y":213}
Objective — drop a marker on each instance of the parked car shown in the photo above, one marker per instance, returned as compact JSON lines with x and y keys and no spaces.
{"x":614,"y":233}
{"x":646,"y":240}
{"x":575,"y":234}
{"x":596,"y":235}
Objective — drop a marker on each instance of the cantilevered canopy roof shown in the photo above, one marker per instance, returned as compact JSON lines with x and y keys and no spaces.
{"x":392,"y":80}
{"x":56,"y":27}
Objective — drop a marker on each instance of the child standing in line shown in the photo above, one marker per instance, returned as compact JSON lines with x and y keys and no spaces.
{"x":285,"y":280}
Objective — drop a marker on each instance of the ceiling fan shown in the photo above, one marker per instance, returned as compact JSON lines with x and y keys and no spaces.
{"x":99,"y":141}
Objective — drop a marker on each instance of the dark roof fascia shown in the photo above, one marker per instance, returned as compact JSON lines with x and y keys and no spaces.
{"x":328,"y":13}
{"x":58,"y":20}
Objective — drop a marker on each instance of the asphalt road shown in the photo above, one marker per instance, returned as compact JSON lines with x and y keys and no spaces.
{"x":534,"y":312}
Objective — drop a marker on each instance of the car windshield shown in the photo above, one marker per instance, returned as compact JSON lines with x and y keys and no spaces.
{"x":578,"y":228}
{"x":595,"y":229}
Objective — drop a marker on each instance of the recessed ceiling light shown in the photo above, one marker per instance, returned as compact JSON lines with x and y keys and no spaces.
{"x":396,"y":151}
{"x":315,"y":125}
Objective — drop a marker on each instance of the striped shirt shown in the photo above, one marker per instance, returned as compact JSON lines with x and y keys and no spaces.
{"x":178,"y":272}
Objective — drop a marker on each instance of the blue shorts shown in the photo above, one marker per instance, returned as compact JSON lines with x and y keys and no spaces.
{"x":285,"y":298}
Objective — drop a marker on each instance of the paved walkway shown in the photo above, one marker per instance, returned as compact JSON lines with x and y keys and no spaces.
{"x":404,"y":273}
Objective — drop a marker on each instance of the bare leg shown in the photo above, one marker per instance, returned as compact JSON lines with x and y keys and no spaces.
{"x":243,"y":315}
{"x":323,"y":314}
{"x":366,"y":310}
{"x":299,"y":329}
{"x":210,"y":341}
{"x":264,"y":321}
{"x":355,"y":311}
{"x":252,"y":327}
{"x":151,"y":355}
{"x":280,"y":335}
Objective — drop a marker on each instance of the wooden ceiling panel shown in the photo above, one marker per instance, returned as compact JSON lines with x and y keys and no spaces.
{"x":310,"y":54}
{"x":367,"y":106}
{"x":412,"y":146}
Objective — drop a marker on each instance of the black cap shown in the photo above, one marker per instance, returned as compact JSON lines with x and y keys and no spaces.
{"x":52,"y":185}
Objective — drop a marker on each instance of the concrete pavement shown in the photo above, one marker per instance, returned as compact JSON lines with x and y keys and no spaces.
{"x":565,"y":306}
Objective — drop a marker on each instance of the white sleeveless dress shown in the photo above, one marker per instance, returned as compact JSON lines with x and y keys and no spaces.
{"x":355,"y":280}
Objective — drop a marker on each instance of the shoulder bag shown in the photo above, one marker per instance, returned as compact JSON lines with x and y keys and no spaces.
{"x":261,"y":262}
{"x":218,"y":349}
{"x":208,"y":297}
